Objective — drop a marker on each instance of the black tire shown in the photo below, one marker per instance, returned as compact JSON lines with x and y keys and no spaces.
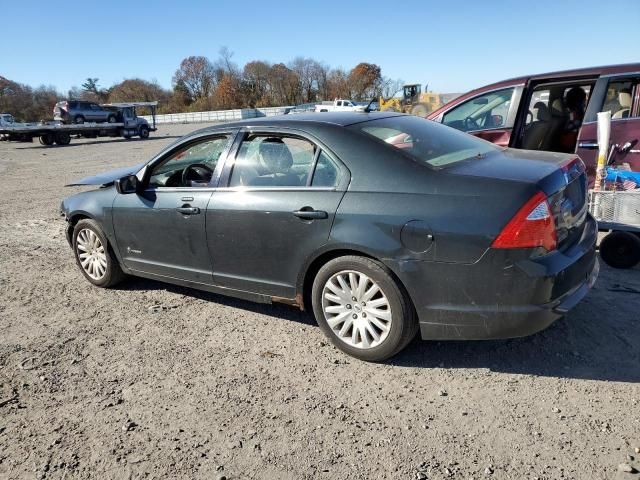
{"x":78,"y":119}
{"x":144,"y":132}
{"x":63,"y":138}
{"x":620,"y":250}
{"x":404,"y":324}
{"x":47,"y":139}
{"x":112,"y":119}
{"x":113,"y":274}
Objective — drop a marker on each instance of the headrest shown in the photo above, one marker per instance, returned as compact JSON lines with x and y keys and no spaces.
{"x":557,"y":108}
{"x":541,"y":112}
{"x":275,"y":155}
{"x":624,"y":98}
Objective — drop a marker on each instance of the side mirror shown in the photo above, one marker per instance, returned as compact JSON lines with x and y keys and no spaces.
{"x":128,"y":184}
{"x":498,"y":120}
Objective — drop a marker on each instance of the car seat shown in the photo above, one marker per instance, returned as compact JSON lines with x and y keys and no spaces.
{"x":624,"y":98}
{"x":536,"y":132}
{"x":275,"y":161}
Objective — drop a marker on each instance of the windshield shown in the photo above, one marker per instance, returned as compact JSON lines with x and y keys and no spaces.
{"x":426,"y":141}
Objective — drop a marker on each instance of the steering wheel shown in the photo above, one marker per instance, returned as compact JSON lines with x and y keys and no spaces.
{"x":471,"y":124}
{"x":203,"y":172}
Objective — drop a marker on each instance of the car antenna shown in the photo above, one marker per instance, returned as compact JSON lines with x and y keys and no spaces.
{"x":367,"y":109}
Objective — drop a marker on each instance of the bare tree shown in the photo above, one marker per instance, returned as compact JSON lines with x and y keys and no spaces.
{"x":390,"y":87}
{"x":337,"y":84}
{"x":285,"y":85}
{"x":197,"y":76}
{"x":225,"y":62}
{"x":256,"y":81}
{"x":311,"y":75}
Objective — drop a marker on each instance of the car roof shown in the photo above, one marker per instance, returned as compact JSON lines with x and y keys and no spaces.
{"x":341,"y":119}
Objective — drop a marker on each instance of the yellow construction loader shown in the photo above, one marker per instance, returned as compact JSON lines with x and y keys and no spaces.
{"x":412,"y":101}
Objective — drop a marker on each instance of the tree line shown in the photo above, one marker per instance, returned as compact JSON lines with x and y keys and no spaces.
{"x":200,"y":84}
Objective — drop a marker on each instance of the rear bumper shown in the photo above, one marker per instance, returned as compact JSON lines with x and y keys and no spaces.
{"x":503,"y":295}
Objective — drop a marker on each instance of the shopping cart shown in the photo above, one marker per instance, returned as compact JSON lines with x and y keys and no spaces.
{"x":618,"y":211}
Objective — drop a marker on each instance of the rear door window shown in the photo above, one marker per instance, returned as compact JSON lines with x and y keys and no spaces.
{"x":619,"y":99}
{"x":326,"y":173}
{"x":273,"y":161}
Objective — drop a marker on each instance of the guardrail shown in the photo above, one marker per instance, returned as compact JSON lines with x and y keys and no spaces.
{"x":217,"y":115}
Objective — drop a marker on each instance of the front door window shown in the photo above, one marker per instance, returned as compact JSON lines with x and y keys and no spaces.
{"x":191,"y":166}
{"x":487,"y":111}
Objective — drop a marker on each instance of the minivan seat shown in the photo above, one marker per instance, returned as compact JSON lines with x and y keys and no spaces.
{"x":624,"y":98}
{"x":535,"y":133}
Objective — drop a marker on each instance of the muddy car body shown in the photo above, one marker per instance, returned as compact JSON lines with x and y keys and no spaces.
{"x":380,"y":223}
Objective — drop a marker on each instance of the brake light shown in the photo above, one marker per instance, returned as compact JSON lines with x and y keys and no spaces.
{"x":532,"y":226}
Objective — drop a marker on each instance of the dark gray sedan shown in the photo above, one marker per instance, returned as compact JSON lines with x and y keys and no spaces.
{"x":382,"y":224}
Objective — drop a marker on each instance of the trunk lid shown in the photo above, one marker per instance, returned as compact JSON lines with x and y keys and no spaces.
{"x":561,"y":177}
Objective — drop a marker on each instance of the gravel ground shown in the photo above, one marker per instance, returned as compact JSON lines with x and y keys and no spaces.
{"x":95,"y":385}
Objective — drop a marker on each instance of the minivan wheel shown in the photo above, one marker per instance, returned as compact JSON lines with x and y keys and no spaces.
{"x":620,"y":249}
{"x":78,"y":119}
{"x":362,"y":308}
{"x":94,"y":256}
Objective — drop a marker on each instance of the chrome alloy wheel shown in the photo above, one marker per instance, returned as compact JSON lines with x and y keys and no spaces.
{"x":91,"y":254}
{"x":356,"y":309}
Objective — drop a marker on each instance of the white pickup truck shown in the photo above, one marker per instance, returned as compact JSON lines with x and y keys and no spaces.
{"x":339,"y":105}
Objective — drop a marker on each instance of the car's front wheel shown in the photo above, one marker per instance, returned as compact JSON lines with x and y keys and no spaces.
{"x":94,"y":256}
{"x":362,"y":309}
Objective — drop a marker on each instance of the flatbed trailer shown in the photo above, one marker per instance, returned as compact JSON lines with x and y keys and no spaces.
{"x":59,"y":133}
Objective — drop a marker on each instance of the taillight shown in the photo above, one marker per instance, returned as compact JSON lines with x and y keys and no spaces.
{"x":531,"y":227}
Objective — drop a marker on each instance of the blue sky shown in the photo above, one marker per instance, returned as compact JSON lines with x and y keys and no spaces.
{"x":452,"y":45}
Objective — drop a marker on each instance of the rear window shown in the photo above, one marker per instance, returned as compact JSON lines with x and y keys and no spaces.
{"x":425,"y":141}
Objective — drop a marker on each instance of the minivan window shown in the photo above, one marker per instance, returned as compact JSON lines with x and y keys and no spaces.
{"x":427,"y":142}
{"x":619,"y":99}
{"x":482,"y":112}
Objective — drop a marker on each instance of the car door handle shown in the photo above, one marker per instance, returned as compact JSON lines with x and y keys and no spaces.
{"x":308,"y":213}
{"x":188,"y":210}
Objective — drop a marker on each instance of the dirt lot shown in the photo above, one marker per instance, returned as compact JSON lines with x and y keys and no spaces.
{"x":95,"y":385}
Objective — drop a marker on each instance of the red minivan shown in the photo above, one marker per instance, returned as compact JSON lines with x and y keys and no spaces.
{"x":555,"y":112}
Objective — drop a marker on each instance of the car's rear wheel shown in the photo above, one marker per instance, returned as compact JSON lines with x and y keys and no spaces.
{"x":362,"y":309}
{"x":94,"y":255}
{"x":620,"y":249}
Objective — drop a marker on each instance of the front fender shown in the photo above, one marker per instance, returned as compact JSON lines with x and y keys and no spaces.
{"x":94,"y":204}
